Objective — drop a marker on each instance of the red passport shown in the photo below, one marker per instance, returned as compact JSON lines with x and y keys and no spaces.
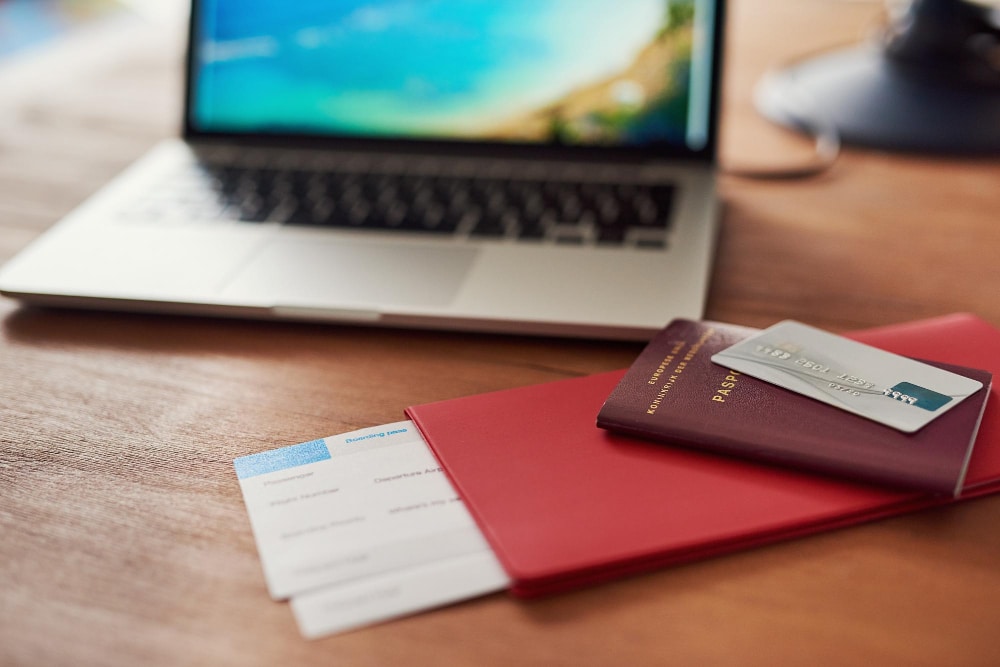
{"x":675,"y":393}
{"x":564,"y":503}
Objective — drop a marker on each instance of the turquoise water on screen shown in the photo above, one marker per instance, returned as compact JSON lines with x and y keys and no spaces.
{"x":431,"y":68}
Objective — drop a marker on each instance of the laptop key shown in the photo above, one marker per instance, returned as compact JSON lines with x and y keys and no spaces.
{"x":610,"y":235}
{"x":489,"y":225}
{"x":663,"y":197}
{"x":428,"y":217}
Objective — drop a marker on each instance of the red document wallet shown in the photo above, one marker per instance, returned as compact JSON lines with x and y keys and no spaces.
{"x":564,"y":503}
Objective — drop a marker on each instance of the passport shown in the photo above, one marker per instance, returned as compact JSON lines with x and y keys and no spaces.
{"x":673,"y":393}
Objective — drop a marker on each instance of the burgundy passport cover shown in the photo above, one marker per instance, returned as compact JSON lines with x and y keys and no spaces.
{"x":674,"y":393}
{"x":564,"y":503}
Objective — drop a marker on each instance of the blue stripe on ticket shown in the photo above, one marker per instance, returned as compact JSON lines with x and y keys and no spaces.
{"x":281,"y":459}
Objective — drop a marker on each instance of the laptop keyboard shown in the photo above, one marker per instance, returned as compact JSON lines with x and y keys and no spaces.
{"x":558,"y":211}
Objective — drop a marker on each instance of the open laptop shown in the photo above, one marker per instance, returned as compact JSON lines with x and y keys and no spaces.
{"x":532,"y":166}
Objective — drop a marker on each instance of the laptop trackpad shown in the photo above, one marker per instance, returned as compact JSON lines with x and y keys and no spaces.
{"x":341,"y":273}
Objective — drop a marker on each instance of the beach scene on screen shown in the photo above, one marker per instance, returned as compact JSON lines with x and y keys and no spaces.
{"x":535,"y":71}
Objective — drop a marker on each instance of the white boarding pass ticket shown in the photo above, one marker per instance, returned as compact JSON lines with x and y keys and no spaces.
{"x":397,"y":593}
{"x":347,"y":510}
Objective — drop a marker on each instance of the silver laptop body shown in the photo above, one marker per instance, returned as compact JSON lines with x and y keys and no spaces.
{"x":538,"y":188}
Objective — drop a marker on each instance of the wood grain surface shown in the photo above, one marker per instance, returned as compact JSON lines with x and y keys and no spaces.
{"x":123,"y":535}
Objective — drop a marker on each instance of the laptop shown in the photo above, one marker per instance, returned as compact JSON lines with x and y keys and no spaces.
{"x":525,"y":166}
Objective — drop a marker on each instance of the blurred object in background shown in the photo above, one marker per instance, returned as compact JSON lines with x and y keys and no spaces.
{"x":929,"y":83}
{"x":26,"y":24}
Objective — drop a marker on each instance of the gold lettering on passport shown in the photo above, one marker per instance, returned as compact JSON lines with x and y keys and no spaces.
{"x":725,"y":387}
{"x":676,"y":371}
{"x":665,"y":364}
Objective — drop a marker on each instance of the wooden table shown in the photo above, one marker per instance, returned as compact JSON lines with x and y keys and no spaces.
{"x":124,"y":536}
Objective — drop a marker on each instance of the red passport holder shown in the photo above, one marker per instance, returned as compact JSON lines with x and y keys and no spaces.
{"x":564,"y":503}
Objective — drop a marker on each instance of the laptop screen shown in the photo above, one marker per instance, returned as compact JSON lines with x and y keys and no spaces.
{"x":630,"y":74}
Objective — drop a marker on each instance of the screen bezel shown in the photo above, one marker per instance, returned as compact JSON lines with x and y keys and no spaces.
{"x":649,"y":153}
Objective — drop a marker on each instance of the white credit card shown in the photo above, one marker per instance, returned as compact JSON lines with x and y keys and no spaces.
{"x":863,"y":380}
{"x":363,"y":526}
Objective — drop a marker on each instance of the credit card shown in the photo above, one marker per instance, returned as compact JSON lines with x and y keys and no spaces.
{"x":863,"y":380}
